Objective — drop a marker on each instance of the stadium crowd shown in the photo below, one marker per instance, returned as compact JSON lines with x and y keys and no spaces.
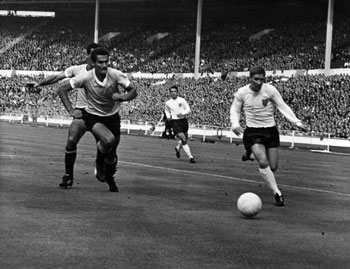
{"x":226,"y":45}
{"x":322,"y":102}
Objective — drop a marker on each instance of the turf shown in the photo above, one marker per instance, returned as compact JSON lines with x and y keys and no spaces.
{"x":169,"y":213}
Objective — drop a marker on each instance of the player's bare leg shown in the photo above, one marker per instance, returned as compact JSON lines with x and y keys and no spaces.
{"x":247,"y":156}
{"x":178,"y":148}
{"x":76,"y":130}
{"x":107,"y":145}
{"x":100,"y":166}
{"x":185,"y":147}
{"x":266,"y":173}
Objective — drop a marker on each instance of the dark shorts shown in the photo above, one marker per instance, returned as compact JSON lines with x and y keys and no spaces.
{"x":180,"y":126}
{"x":80,"y":108}
{"x":111,"y":122}
{"x":269,"y":137}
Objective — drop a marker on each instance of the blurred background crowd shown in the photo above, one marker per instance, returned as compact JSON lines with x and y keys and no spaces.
{"x":322,"y":102}
{"x":295,"y":40}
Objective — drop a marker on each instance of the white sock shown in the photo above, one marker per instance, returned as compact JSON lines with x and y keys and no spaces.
{"x":187,"y":150}
{"x":269,"y":178}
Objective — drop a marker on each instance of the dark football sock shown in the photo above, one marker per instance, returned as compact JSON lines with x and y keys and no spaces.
{"x":70,"y":157}
{"x":110,"y":170}
{"x":99,"y":156}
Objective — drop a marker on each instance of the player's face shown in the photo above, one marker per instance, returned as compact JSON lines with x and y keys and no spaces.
{"x":257,"y":81}
{"x":101,"y":64}
{"x":173,"y":93}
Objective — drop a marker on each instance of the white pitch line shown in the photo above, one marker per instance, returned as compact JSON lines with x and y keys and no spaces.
{"x":232,"y":178}
{"x":214,"y":175}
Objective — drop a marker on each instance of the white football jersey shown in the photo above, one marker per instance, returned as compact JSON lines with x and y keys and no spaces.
{"x":74,"y":71}
{"x":99,"y":93}
{"x":173,"y":107}
{"x":259,"y":107}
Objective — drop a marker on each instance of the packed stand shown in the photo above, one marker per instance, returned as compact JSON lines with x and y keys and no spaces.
{"x":17,"y":98}
{"x":322,"y":102}
{"x":53,"y":44}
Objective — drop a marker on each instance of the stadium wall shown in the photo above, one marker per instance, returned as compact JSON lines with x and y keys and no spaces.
{"x":212,"y":134}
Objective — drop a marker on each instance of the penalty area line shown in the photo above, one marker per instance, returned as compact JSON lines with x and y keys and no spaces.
{"x":232,"y":178}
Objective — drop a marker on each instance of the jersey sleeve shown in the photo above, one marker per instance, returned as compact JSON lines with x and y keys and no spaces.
{"x":120,"y":77}
{"x":235,"y":111}
{"x":283,"y":107}
{"x":69,"y":72}
{"x":77,"y":82}
{"x":187,"y":109}
{"x":167,"y":111}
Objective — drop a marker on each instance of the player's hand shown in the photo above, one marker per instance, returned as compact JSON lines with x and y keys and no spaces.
{"x":303,"y":127}
{"x":238,"y":130}
{"x":118,"y":97}
{"x":77,"y":114}
{"x":180,"y":115}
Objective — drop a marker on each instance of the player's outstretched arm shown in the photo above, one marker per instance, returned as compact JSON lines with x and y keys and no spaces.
{"x":50,"y":79}
{"x":288,"y":112}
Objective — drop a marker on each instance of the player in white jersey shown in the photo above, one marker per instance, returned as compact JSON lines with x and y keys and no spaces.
{"x":103,"y":100}
{"x":261,"y":135}
{"x":77,"y":127}
{"x":176,"y":110}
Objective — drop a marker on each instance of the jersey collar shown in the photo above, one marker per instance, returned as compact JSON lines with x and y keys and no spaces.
{"x":103,"y":83}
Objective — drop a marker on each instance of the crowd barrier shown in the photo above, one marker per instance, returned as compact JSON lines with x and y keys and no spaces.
{"x":291,"y":138}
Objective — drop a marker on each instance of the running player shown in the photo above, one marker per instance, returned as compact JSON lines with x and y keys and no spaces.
{"x":261,"y":135}
{"x":101,"y":115}
{"x":176,"y":110}
{"x":77,"y":127}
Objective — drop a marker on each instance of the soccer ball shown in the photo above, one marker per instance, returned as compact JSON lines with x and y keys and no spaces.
{"x":249,"y":204}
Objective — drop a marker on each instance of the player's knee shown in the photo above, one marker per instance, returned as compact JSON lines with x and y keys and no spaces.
{"x":273,"y":167}
{"x":72,"y":141}
{"x":183,"y":140}
{"x":263,"y":163}
{"x":109,"y":141}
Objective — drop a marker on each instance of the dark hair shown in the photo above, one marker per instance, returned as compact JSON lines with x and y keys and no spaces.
{"x":98,"y":51}
{"x":92,"y":46}
{"x":174,"y":87}
{"x":256,"y":70}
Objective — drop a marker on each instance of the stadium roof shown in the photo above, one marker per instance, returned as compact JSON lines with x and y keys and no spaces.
{"x":148,"y":5}
{"x":223,"y":3}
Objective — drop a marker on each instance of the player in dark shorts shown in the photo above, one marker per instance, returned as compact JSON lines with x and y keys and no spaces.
{"x":101,"y":116}
{"x":77,"y":127}
{"x":261,"y":137}
{"x":176,"y":110}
